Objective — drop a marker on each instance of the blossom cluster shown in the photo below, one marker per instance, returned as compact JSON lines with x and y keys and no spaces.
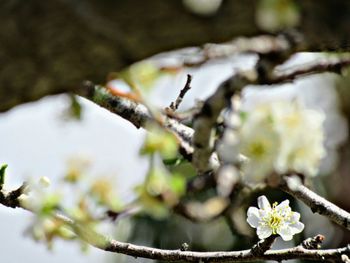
{"x":280,"y":137}
{"x":278,"y":219}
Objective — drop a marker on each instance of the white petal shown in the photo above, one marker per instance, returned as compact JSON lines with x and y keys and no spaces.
{"x":263,"y":232}
{"x":297,"y":227}
{"x":253,"y":217}
{"x":286,"y":233}
{"x":263,"y":203}
{"x":263,"y":213}
{"x":295,"y":217}
{"x":283,"y":205}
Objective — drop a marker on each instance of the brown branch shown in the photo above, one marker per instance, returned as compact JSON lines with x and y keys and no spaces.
{"x":317,"y":203}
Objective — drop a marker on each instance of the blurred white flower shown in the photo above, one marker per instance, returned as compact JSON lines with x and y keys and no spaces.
{"x":281,"y":137}
{"x":259,"y":143}
{"x":278,"y":219}
{"x":301,"y":137}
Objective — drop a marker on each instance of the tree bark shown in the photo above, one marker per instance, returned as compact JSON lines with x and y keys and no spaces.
{"x":49,"y":47}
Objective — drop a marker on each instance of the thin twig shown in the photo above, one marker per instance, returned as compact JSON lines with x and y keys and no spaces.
{"x":175,"y":105}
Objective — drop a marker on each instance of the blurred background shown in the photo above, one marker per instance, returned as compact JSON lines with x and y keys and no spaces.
{"x":44,"y":139}
{"x":40,"y":139}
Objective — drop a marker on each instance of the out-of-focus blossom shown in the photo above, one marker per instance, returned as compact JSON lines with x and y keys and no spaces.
{"x":281,"y":137}
{"x":258,"y":141}
{"x":301,"y":137}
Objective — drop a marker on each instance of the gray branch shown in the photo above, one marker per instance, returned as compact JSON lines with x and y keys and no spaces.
{"x":138,"y":115}
{"x":336,"y":65}
{"x":317,"y":203}
{"x":111,"y":245}
{"x":207,"y":117}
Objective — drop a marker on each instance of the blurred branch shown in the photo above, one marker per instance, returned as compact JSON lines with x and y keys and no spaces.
{"x":108,"y":244}
{"x":262,"y":45}
{"x":205,"y":120}
{"x":10,"y":199}
{"x":335,"y":65}
{"x":317,"y":203}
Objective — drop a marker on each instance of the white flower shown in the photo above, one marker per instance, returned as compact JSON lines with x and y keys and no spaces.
{"x":261,"y":149}
{"x":281,"y":137}
{"x":301,"y":134}
{"x":278,"y":219}
{"x":259,"y":143}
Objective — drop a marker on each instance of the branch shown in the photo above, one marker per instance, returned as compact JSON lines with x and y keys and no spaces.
{"x":130,"y":110}
{"x":207,"y":117}
{"x":10,"y":199}
{"x":175,"y":105}
{"x":138,"y":115}
{"x":263,"y":245}
{"x":263,"y":45}
{"x":317,"y":203}
{"x":335,"y":65}
{"x":108,"y":244}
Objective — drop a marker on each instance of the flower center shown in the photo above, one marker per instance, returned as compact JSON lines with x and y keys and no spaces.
{"x":257,"y":149}
{"x":275,"y":220}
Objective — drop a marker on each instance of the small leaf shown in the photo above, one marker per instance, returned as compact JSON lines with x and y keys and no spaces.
{"x":178,"y":184}
{"x":162,"y":142}
{"x":2,"y":174}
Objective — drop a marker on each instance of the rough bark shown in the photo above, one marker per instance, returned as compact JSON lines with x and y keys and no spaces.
{"x":49,"y":47}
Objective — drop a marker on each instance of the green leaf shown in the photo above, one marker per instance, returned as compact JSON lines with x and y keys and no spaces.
{"x":2,"y":174}
{"x":178,"y":184}
{"x":172,"y":161}
{"x":162,"y":142}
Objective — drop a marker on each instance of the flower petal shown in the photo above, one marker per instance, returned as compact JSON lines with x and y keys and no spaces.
{"x":297,"y":227}
{"x":263,"y":203}
{"x":295,"y":217}
{"x":286,"y":233}
{"x":263,"y":231}
{"x":253,"y":217}
{"x":283,"y":205}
